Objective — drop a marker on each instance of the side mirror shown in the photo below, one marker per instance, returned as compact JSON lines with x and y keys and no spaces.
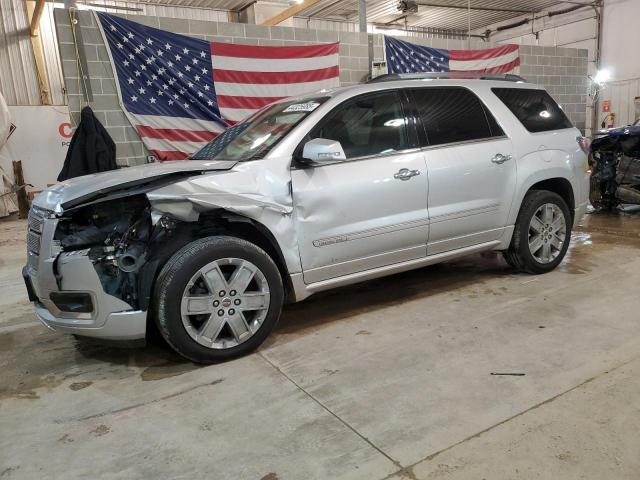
{"x":321,"y":150}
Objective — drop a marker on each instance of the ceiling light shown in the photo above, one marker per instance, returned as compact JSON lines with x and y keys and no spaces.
{"x":602,"y":76}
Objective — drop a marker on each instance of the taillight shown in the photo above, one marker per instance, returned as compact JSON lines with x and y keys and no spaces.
{"x":584,"y":143}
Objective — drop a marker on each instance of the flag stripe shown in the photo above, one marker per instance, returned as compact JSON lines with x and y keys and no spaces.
{"x":161,"y":144}
{"x":483,"y":64}
{"x":267,"y":65}
{"x":269,"y":52}
{"x":236,"y":114}
{"x":487,"y":53}
{"x":506,"y":68}
{"x":181,"y":123}
{"x":176,"y":134}
{"x":241,"y":101}
{"x":167,"y":155}
{"x":235,"y":76}
{"x":273,"y":90}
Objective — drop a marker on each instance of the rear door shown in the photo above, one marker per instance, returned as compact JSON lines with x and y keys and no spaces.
{"x":471,"y":165}
{"x":370,"y":210}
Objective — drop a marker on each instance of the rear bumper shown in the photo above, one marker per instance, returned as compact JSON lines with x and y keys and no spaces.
{"x":579,"y":212}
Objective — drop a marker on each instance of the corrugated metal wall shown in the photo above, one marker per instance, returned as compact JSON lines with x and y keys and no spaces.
{"x":18,"y":81}
{"x":18,"y":78}
{"x":622,"y":95}
{"x":51,"y":56}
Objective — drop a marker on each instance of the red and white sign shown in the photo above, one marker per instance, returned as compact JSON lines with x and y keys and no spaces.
{"x":41,"y":140}
{"x":606,"y":106}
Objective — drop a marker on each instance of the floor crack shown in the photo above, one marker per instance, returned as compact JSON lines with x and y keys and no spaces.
{"x":337,"y":417}
{"x":534,"y":407}
{"x":142,"y":404}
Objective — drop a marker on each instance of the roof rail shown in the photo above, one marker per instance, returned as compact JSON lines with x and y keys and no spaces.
{"x":390,"y":77}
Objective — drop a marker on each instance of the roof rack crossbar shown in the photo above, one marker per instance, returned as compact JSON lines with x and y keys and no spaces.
{"x":390,"y":77}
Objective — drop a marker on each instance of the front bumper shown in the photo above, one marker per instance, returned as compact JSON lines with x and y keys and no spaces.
{"x":110,"y":317}
{"x":130,"y":325}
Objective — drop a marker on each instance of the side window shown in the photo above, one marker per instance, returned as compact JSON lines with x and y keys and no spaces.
{"x":368,"y":125}
{"x":453,"y":115}
{"x":535,"y":109}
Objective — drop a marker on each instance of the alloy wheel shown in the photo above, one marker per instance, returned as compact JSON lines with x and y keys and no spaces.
{"x":225,"y":303}
{"x":547,"y":233}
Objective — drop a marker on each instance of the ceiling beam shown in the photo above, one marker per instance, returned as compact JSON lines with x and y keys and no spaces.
{"x":34,"y":12}
{"x":34,"y":28}
{"x":290,"y":12}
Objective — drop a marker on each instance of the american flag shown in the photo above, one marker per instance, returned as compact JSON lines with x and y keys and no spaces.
{"x":406,"y":57}
{"x":180,"y":92}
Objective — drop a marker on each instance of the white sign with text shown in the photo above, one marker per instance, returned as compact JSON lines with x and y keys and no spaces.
{"x":41,"y":139}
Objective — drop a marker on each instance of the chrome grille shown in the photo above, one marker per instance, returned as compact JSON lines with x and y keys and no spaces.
{"x":33,"y":243}
{"x":34,"y":235}
{"x":36,"y":220}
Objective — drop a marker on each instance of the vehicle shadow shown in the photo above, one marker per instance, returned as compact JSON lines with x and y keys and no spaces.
{"x":159,"y":361}
{"x":422,"y":283}
{"x":61,"y":357}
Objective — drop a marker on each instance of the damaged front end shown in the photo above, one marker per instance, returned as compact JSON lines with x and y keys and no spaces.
{"x":116,"y":237}
{"x":90,"y":268}
{"x":89,"y":264}
{"x":94,"y":253}
{"x":615,"y":164}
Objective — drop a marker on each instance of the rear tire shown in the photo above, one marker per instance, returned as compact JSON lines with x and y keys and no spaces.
{"x":542,"y":233}
{"x":218,"y":298}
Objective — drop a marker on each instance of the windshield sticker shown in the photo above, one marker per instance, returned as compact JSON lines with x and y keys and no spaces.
{"x":302,"y":107}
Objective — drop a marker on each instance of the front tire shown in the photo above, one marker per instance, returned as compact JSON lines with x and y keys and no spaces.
{"x":218,"y":298}
{"x":542,"y":233}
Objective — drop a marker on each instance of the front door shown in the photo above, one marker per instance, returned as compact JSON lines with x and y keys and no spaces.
{"x":472,"y":169}
{"x":370,"y":210}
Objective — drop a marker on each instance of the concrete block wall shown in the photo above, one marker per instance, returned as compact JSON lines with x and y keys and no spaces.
{"x":561,"y":70}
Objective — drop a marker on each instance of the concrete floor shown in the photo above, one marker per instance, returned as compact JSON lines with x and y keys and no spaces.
{"x":388,"y":379}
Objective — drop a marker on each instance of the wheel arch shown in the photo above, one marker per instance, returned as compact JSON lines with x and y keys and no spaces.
{"x":217,"y":222}
{"x":560,"y":186}
{"x":554,"y":180}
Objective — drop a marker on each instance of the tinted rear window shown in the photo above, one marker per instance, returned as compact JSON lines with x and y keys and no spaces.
{"x":453,"y":114}
{"x":537,"y":111}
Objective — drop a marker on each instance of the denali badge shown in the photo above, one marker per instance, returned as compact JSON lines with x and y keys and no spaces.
{"x":329,"y":241}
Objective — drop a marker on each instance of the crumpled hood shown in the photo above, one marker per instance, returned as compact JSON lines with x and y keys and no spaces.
{"x":75,"y":191}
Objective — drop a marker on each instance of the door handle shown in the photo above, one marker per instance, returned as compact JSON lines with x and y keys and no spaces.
{"x":500,"y":158}
{"x":405,"y":174}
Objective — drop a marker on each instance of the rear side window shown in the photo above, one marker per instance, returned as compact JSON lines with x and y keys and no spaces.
{"x":453,"y":114}
{"x":535,"y":109}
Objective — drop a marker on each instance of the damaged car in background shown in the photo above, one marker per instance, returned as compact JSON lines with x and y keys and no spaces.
{"x":615,"y":164}
{"x":306,"y":195}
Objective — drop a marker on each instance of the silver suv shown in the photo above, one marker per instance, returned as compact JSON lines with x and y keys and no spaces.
{"x":308,"y":194}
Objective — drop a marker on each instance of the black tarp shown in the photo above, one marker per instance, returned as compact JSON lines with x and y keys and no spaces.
{"x":91,"y":149}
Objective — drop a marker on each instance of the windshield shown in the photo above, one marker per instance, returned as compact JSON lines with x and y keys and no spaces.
{"x":258,"y":134}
